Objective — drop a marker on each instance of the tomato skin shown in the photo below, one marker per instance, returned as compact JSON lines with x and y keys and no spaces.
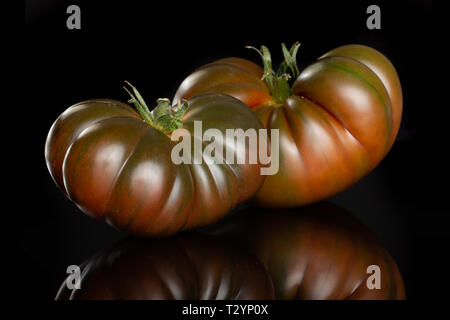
{"x":385,"y":71}
{"x":186,"y":266}
{"x":341,"y":120}
{"x":237,"y":77}
{"x":118,"y":169}
{"x":316,"y":252}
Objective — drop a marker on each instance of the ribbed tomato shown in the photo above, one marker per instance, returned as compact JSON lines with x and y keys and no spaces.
{"x":315,"y":252}
{"x":186,"y":266}
{"x":337,"y":120}
{"x":118,"y":168}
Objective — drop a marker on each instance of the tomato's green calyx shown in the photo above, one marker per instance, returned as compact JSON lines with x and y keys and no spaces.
{"x":280,"y":82}
{"x":164,"y":117}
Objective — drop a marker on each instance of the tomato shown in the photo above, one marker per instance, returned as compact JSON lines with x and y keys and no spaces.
{"x":186,"y":266}
{"x":117,"y":168}
{"x":336,"y":121}
{"x":314,"y":252}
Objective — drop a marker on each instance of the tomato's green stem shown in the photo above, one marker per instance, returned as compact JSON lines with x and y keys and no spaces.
{"x":163,"y":117}
{"x":280,"y":82}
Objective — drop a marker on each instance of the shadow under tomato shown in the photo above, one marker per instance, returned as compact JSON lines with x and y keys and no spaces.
{"x":186,"y":266}
{"x":315,"y":252}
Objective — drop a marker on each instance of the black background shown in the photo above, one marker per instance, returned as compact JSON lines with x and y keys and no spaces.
{"x":155,"y":46}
